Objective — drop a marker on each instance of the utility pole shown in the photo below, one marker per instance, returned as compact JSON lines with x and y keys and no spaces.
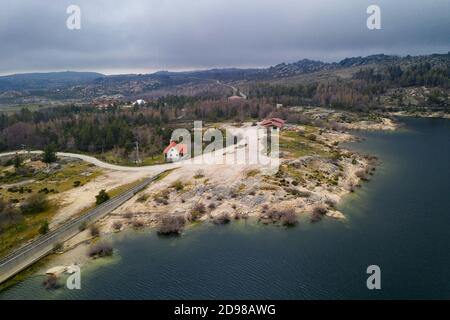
{"x":137,"y":152}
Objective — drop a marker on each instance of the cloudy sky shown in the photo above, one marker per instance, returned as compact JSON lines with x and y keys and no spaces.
{"x":141,"y":36}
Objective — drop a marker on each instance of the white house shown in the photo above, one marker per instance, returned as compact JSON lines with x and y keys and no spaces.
{"x":174,"y":152}
{"x":139,"y":102}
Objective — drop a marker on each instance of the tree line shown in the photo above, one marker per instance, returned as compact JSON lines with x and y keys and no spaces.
{"x":93,"y":130}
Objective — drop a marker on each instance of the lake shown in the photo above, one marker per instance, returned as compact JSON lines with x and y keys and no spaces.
{"x":400,"y":221}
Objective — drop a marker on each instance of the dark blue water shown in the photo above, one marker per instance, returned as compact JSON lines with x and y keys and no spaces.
{"x":400,"y":221}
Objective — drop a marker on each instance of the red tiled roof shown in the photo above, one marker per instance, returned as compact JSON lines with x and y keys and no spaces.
{"x":273,"y":122}
{"x":181,"y":148}
{"x":278,"y":120}
{"x":172,"y":144}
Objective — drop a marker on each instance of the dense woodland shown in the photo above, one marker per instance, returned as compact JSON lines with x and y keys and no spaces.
{"x":93,"y":130}
{"x":363,"y":90}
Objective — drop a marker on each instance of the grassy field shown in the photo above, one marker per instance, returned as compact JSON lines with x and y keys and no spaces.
{"x":297,"y":144}
{"x":17,"y":187}
{"x":17,"y":235}
{"x":59,"y":180}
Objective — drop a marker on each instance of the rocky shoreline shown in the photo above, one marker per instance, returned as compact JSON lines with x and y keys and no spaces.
{"x":308,"y":186}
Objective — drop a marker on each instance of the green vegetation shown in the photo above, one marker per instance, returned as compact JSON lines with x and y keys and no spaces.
{"x":35,"y":203}
{"x":25,"y":209}
{"x":252,"y":173}
{"x":49,"y":155}
{"x":296,"y":145}
{"x":197,"y":211}
{"x":102,"y":196}
{"x":177,"y":185}
{"x":44,"y":227}
{"x":23,"y":230}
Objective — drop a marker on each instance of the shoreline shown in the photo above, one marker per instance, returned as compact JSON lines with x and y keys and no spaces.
{"x":148,"y":212}
{"x":77,"y":247}
{"x":421,"y":114}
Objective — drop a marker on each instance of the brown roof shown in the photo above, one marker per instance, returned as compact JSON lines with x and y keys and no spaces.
{"x":273,"y":122}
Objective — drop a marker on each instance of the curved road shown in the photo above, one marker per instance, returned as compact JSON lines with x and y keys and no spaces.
{"x":98,"y":162}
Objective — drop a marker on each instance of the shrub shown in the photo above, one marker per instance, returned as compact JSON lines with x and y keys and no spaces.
{"x":171,"y":224}
{"x":51,"y":283}
{"x":285,"y":216}
{"x":117,"y":225}
{"x":58,"y":247}
{"x":142,"y":198}
{"x":94,"y":230}
{"x":289,"y":218}
{"x":138,"y":224}
{"x":315,"y":218}
{"x":361,"y":174}
{"x":9,"y":215}
{"x":178,"y":185}
{"x":162,"y":197}
{"x":49,"y":155}
{"x":102,"y":197}
{"x":330,"y":202}
{"x":128,"y":215}
{"x":304,"y":194}
{"x":252,"y":173}
{"x":292,"y":191}
{"x":199,"y":174}
{"x":100,"y":250}
{"x":76,"y":183}
{"x":321,"y":210}
{"x":222,"y":218}
{"x":35,"y":203}
{"x":198,"y":210}
{"x":44,"y":228}
{"x":317,"y":213}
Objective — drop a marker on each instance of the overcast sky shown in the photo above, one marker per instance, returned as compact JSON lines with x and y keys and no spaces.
{"x":141,"y":36}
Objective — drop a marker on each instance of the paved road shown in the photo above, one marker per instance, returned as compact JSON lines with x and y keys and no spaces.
{"x":32,"y":252}
{"x":235,"y":90}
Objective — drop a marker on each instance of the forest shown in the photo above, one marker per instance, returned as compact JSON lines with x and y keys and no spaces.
{"x":92,"y":130}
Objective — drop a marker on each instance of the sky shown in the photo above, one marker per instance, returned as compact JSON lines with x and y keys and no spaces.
{"x":143,"y":36}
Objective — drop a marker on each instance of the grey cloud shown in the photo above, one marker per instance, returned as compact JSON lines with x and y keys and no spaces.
{"x":141,"y":35}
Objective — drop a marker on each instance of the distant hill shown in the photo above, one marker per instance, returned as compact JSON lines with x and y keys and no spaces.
{"x":28,"y":81}
{"x":378,"y":72}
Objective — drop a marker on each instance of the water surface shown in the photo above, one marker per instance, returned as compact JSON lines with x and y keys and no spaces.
{"x":400,"y":221}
